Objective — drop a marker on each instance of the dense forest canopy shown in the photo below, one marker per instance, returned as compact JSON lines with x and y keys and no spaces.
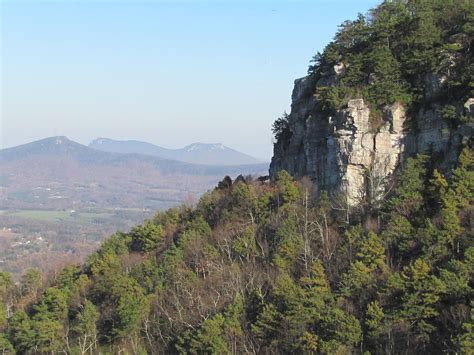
{"x":392,"y":53}
{"x":260,"y":267}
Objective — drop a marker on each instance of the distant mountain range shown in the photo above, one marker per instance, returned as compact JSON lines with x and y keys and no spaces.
{"x":92,"y":177}
{"x":196,"y":153}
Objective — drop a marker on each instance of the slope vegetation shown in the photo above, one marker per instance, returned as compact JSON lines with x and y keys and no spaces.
{"x":260,"y":267}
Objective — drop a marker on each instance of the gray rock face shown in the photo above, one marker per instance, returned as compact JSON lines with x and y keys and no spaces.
{"x":469,"y":107}
{"x":352,"y":153}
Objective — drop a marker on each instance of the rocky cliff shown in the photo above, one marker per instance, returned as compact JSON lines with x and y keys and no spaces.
{"x":393,"y":83}
{"x":353,"y":154}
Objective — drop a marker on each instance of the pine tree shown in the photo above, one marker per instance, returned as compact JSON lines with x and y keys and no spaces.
{"x":466,"y":340}
{"x":21,"y":332}
{"x":146,"y":237}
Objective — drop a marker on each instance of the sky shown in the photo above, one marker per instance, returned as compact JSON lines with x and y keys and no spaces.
{"x":166,"y":72}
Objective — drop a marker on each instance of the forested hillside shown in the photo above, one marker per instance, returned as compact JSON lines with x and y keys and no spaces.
{"x":282,"y":267}
{"x":259,"y":267}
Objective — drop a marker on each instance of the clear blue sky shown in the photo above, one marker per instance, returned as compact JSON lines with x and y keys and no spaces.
{"x":166,"y":72}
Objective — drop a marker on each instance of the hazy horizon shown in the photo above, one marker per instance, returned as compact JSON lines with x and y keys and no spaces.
{"x":167,"y":73}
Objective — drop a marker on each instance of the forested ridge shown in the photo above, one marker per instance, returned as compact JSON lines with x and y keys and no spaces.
{"x":278,"y":267}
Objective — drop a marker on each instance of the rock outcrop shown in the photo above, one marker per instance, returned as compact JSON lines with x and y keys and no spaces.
{"x":354,"y":153}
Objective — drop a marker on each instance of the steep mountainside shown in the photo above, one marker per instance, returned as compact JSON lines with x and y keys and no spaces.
{"x":196,"y":153}
{"x":392,"y":84}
